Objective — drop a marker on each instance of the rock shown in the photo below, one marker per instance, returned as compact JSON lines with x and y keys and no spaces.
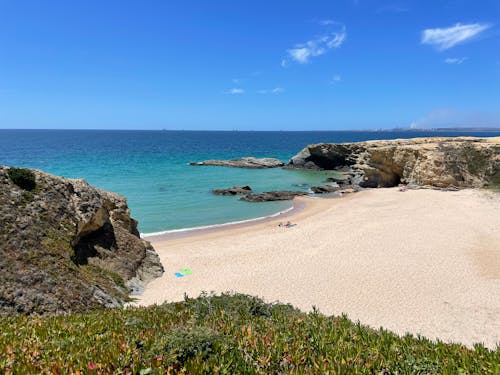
{"x":281,"y":195}
{"x":248,"y":162}
{"x":324,"y":189}
{"x":346,"y":191}
{"x":344,"y":179}
{"x":68,"y":247}
{"x":235,"y":190}
{"x":440,"y":162}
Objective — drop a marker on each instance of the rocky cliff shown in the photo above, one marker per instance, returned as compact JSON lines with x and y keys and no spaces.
{"x":440,"y":162}
{"x":67,"y":246}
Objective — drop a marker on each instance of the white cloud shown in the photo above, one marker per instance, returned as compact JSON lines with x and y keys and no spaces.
{"x":276,"y":91}
{"x":236,"y":80}
{"x":455,"y":60}
{"x":336,"y":78}
{"x":236,"y":91}
{"x":303,"y":52}
{"x":444,"y":38}
{"x":446,"y":118}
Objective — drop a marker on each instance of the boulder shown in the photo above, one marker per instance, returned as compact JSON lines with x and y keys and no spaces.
{"x":247,"y":162}
{"x":280,"y":195}
{"x":235,"y":190}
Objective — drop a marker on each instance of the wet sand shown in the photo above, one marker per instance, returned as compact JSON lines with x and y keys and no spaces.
{"x":423,"y":261}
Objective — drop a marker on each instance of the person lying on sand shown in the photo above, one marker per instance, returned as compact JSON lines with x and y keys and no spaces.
{"x":287,"y":225}
{"x":403,"y":187}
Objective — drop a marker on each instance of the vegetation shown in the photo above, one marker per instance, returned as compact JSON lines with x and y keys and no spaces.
{"x":227,"y":334}
{"x":22,"y":177}
{"x":495,"y":183}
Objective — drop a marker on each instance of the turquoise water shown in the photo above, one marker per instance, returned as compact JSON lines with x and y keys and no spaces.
{"x":151,"y":168}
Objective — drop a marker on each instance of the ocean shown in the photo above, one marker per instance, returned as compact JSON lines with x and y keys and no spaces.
{"x":151,"y":168}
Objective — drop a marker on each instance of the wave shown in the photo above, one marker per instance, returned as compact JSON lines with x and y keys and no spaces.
{"x":216,"y":225}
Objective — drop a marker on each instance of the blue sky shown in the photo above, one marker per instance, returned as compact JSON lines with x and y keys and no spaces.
{"x":249,"y":65}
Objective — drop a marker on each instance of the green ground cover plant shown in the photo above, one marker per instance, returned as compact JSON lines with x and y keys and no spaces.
{"x":226,"y":334}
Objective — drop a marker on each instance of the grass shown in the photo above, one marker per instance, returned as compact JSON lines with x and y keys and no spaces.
{"x":227,"y":334}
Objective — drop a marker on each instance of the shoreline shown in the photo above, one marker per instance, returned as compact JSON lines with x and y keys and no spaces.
{"x":299,"y":204}
{"x":425,"y":262}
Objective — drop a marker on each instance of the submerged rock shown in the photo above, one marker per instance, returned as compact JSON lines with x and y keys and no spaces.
{"x":280,"y":195}
{"x":66,"y":246}
{"x":235,"y":190}
{"x":440,"y":162}
{"x":248,"y":162}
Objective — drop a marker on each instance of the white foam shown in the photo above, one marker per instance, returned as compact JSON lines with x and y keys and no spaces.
{"x":215,"y":225}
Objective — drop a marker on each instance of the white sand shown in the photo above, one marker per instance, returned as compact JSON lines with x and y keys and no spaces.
{"x":423,"y":261}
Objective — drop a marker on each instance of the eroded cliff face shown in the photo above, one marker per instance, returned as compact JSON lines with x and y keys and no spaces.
{"x":67,"y":246}
{"x":442,"y":162}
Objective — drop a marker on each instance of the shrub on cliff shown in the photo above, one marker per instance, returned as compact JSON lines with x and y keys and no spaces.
{"x":22,"y":177}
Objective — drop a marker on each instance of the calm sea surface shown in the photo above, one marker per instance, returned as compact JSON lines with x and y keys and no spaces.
{"x":150,"y":167}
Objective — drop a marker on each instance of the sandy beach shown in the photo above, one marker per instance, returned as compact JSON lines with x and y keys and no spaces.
{"x":423,"y":261}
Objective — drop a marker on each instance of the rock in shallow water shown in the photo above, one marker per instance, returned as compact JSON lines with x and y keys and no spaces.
{"x":280,"y":195}
{"x":248,"y":162}
{"x":235,"y":190}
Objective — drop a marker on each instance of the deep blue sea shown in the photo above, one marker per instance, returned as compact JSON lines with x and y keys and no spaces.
{"x":151,"y":168}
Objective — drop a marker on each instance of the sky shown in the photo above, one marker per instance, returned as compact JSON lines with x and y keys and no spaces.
{"x":249,"y":65}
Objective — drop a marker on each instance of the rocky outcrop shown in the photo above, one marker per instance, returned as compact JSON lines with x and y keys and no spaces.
{"x":248,"y":162}
{"x":235,"y":190}
{"x":324,"y":189}
{"x":440,"y":162}
{"x":67,"y":246}
{"x":280,"y":195}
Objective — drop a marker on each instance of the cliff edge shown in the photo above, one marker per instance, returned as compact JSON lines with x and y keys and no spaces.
{"x":66,"y":246}
{"x":442,"y":162}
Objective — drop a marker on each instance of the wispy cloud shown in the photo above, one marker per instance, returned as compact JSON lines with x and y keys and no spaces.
{"x":446,"y":117}
{"x":275,"y":91}
{"x":455,"y":60}
{"x":236,"y":91}
{"x":328,"y":22}
{"x":303,"y":52}
{"x":445,"y":38}
{"x":337,"y":78}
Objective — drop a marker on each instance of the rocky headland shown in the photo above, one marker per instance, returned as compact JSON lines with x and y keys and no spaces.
{"x":460,"y":162}
{"x":66,"y":246}
{"x":247,"y":162}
